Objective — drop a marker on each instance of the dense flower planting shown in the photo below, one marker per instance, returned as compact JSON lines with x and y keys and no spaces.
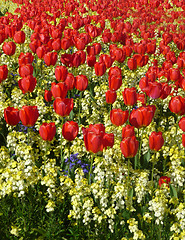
{"x":92,"y":119}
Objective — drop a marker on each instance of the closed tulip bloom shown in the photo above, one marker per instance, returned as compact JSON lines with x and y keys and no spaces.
{"x":128,"y":131}
{"x":100,"y":68}
{"x":25,"y":70}
{"x":129,"y":147}
{"x":132,"y":64}
{"x":70,"y":81}
{"x":9,"y":48}
{"x":142,"y":116}
{"x":70,"y":130}
{"x":91,"y":60}
{"x":81,"y":82}
{"x":27,"y":84}
{"x":115,"y":82}
{"x":25,"y":58}
{"x":56,"y":44}
{"x":118,"y":117}
{"x":50,"y":58}
{"x":174,"y":74}
{"x":47,"y":131}
{"x":156,"y":141}
{"x":11,"y":116}
{"x":154,"y":90}
{"x":97,"y":47}
{"x":3,"y":72}
{"x":19,"y":37}
{"x":108,"y":140}
{"x":177,"y":105}
{"x":48,"y":95}
{"x":28,"y":115}
{"x":61,"y":73}
{"x":63,"y":107}
{"x":76,"y":60}
{"x":59,"y":89}
{"x":182,"y":124}
{"x":65,"y":43}
{"x":129,"y":96}
{"x":164,"y":180}
{"x":107,"y":59}
{"x":183,"y":140}
{"x":115,"y":71}
{"x":96,"y":139}
{"x":110,"y":96}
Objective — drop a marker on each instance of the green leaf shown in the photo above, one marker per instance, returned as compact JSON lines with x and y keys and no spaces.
{"x":147,"y":156}
{"x":173,"y":191}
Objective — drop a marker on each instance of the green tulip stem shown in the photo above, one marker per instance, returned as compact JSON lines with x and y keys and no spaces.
{"x":90,"y":171}
{"x":152,"y":176}
{"x":79,"y":108}
{"x":69,"y":146}
{"x":61,"y":148}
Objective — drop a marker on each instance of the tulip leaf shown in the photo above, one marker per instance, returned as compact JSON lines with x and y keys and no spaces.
{"x":173,"y":191}
{"x":147,"y":156}
{"x":71,"y":115}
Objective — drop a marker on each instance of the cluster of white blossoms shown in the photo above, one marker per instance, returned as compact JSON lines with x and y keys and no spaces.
{"x":141,"y":185}
{"x":133,"y":227}
{"x":159,"y":205}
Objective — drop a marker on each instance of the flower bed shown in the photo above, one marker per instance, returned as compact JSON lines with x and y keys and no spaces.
{"x":92,"y":110}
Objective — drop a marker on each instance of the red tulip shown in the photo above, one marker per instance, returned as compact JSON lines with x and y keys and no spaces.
{"x":129,"y":146}
{"x":70,"y":81}
{"x":81,"y":82}
{"x":177,"y":105}
{"x":118,"y":117}
{"x":183,"y":140}
{"x":110,"y":96}
{"x":27,"y":84}
{"x":128,"y":131}
{"x":100,"y":68}
{"x":91,"y":60}
{"x":174,"y":74}
{"x":61,"y":73}
{"x":142,"y":116}
{"x":50,"y":58}
{"x":182,"y":124}
{"x":70,"y":130}
{"x":129,"y":96}
{"x":59,"y":89}
{"x":154,"y":90}
{"x":9,"y":48}
{"x":91,"y":50}
{"x":47,"y":131}
{"x":25,"y":70}
{"x":48,"y":96}
{"x":106,"y":59}
{"x":116,"y":71}
{"x":164,"y":179}
{"x":156,"y":141}
{"x":3,"y":72}
{"x":11,"y":116}
{"x":115,"y":82}
{"x":96,"y":139}
{"x":63,"y":107}
{"x":28,"y":115}
{"x":132,"y":64}
{"x":26,"y":58}
{"x":19,"y":37}
{"x":56,"y":44}
{"x":97,"y":47}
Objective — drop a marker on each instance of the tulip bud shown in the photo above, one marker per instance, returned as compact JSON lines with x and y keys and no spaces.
{"x":11,"y":116}
{"x":47,"y":131}
{"x":164,"y":180}
{"x":129,"y":96}
{"x":156,"y":141}
{"x":70,"y":130}
{"x":118,"y":117}
{"x":129,"y":147}
{"x":28,"y":115}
